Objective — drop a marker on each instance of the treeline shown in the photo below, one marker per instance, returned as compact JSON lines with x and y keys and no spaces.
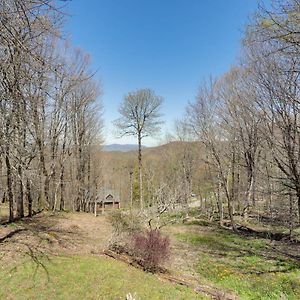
{"x":171,"y":173}
{"x":249,"y":121}
{"x":49,"y":113}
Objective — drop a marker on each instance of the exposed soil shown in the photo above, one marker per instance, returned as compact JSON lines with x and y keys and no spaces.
{"x":54,"y":234}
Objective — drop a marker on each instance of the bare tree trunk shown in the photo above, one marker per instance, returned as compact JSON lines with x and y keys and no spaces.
{"x":238,"y":187}
{"x":131,"y":189}
{"x":290,"y":214}
{"x":9,"y":185}
{"x":229,"y":190}
{"x":21,"y":144}
{"x":140,"y":172}
{"x":55,"y":196}
{"x":270,"y":190}
{"x":298,"y":202}
{"x":219,"y":201}
{"x":248,"y":198}
{"x":20,"y":196}
{"x":253,"y":187}
{"x":29,"y":198}
{"x":62,"y":188}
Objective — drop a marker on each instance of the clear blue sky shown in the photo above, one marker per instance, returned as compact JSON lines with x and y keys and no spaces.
{"x":169,"y":46}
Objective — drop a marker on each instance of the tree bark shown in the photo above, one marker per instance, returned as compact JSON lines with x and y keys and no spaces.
{"x":20,"y":197}
{"x":219,"y":201}
{"x":9,"y":185}
{"x":29,"y":198}
{"x":140,"y":171}
{"x":131,"y":189}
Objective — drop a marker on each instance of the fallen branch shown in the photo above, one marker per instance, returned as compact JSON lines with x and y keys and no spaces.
{"x":11,"y":234}
{"x":213,"y":292}
{"x":276,"y":236}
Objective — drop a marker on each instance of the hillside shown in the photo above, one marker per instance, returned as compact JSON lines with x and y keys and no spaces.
{"x":61,"y":256}
{"x":120,"y":147}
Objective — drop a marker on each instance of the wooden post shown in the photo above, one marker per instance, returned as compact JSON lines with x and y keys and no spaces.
{"x":103,"y":203}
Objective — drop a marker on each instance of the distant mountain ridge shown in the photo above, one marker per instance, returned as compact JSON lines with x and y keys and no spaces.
{"x":120,"y":147}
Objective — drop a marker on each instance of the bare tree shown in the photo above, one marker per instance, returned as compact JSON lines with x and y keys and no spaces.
{"x":205,"y":121}
{"x":140,"y":117}
{"x":240,"y":115}
{"x":272,"y":49}
{"x":49,"y":111}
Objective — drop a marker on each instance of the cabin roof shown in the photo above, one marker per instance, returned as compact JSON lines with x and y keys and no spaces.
{"x":107,"y":195}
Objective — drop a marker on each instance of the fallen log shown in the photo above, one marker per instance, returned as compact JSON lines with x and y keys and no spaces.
{"x":213,"y":292}
{"x":246,"y":230}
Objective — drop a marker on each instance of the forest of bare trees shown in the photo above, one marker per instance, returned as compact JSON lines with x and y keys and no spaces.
{"x":244,"y":161}
{"x":248,"y":121}
{"x":212,"y":212}
{"x":49,"y":113}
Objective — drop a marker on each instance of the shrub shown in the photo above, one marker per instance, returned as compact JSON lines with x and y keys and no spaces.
{"x":151,"y":249}
{"x":125,"y":223}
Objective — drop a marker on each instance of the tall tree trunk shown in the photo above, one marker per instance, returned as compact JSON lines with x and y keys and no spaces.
{"x":248,"y":198}
{"x":62,"y":166}
{"x":62,"y":188}
{"x":219,"y":201}
{"x":253,"y":186}
{"x":238,"y":187}
{"x":140,"y":172}
{"x":131,"y":189}
{"x":290,"y":214}
{"x":229,"y":190}
{"x":20,"y":196}
{"x":9,"y":185}
{"x":38,"y":121}
{"x":232,"y":193}
{"x":270,"y":190}
{"x":298,"y":202}
{"x":47,"y":189}
{"x":29,"y":198}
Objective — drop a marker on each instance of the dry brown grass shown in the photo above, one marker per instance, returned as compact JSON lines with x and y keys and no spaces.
{"x":54,"y":234}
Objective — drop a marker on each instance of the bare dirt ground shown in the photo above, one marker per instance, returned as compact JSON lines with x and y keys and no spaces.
{"x":54,"y":234}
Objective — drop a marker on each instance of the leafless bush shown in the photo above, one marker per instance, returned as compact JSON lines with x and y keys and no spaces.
{"x":151,"y":249}
{"x":125,"y":225}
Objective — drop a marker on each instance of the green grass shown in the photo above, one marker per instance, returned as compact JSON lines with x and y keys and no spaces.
{"x":247,"y":266}
{"x":85,"y":277}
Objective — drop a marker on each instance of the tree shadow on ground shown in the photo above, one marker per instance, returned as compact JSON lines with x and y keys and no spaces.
{"x":38,"y":239}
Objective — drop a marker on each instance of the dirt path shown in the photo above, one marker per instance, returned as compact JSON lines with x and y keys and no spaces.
{"x":54,"y":234}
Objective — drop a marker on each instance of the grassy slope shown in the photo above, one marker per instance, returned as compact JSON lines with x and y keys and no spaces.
{"x":248,"y":266}
{"x":85,"y":277}
{"x":63,"y":243}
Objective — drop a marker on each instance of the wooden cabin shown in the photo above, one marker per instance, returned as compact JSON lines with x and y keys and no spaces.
{"x":106,"y":201}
